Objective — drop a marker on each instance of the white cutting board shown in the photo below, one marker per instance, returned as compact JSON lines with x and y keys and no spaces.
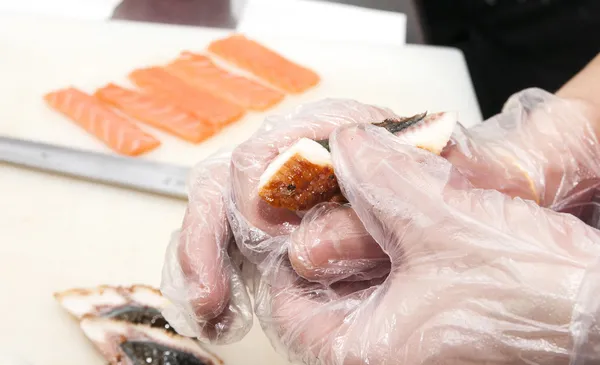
{"x":57,"y":233}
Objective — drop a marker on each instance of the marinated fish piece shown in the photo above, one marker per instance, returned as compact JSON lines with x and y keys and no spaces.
{"x":201,"y":72}
{"x":302,"y":175}
{"x":203,"y":105}
{"x":123,"y":343}
{"x":115,"y":131}
{"x":156,"y":112}
{"x":264,"y":63}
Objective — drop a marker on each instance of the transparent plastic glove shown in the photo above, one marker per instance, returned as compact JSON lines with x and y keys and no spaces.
{"x":208,"y":297}
{"x":477,"y":277}
{"x":209,"y":300}
{"x":331,"y":231}
{"x":539,"y":147}
{"x":331,"y":244}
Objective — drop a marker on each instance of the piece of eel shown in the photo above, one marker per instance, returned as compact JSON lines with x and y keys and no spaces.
{"x":125,"y":324}
{"x":302,"y":175}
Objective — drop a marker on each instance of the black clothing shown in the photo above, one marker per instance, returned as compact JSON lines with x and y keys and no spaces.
{"x":510,"y":45}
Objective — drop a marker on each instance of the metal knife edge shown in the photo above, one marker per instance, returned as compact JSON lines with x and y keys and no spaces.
{"x":126,"y":172}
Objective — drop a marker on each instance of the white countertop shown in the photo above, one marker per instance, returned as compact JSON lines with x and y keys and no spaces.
{"x":57,"y":233}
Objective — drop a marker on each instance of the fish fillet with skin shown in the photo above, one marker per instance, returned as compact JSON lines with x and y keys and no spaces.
{"x":127,"y":327}
{"x":201,"y":104}
{"x":264,"y":63}
{"x":302,"y":176}
{"x":90,"y":113}
{"x":200,"y":71}
{"x":156,"y":112}
{"x":100,"y":301}
{"x":122,"y":343}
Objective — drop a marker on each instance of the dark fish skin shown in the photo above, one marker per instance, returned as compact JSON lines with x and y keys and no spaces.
{"x":141,"y":315}
{"x":391,"y":125}
{"x":398,"y":125}
{"x":131,"y":328}
{"x":151,"y":353}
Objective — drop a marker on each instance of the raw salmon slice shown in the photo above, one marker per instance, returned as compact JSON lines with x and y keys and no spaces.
{"x":264,"y":63}
{"x":98,"y":119}
{"x":200,"y":71}
{"x":201,"y":104}
{"x":156,"y":112}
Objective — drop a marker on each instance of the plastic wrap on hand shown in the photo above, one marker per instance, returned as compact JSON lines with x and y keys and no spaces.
{"x":477,"y":276}
{"x":585,"y":325}
{"x":253,"y":221}
{"x":208,"y":297}
{"x":539,"y":147}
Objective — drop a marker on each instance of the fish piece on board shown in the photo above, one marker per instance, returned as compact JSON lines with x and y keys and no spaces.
{"x":200,"y":71}
{"x":97,"y":118}
{"x":127,"y":327}
{"x":264,"y":63}
{"x":108,"y":301}
{"x":156,"y":112}
{"x":122,"y":343}
{"x":201,"y":104}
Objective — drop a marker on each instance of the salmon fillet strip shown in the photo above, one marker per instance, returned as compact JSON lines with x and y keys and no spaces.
{"x":156,"y":112}
{"x":200,"y":71}
{"x":199,"y":103}
{"x":118,"y":133}
{"x":264,"y":63}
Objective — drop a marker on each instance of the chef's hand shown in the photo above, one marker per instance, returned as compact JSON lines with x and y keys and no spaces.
{"x":203,"y":283}
{"x":334,"y":244}
{"x":540,"y":147}
{"x":208,"y":297}
{"x":330,"y":243}
{"x":477,"y":276}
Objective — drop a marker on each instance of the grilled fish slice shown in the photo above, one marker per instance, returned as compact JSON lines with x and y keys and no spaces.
{"x":303,"y":176}
{"x":300,"y":177}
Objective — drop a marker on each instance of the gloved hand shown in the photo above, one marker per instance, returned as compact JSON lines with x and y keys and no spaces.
{"x":208,"y":297}
{"x":254,"y":221}
{"x":540,"y":147}
{"x":477,"y":277}
{"x":206,"y":291}
{"x":205,"y":288}
{"x":330,"y":243}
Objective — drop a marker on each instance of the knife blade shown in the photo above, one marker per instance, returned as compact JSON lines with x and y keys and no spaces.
{"x":126,"y":172}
